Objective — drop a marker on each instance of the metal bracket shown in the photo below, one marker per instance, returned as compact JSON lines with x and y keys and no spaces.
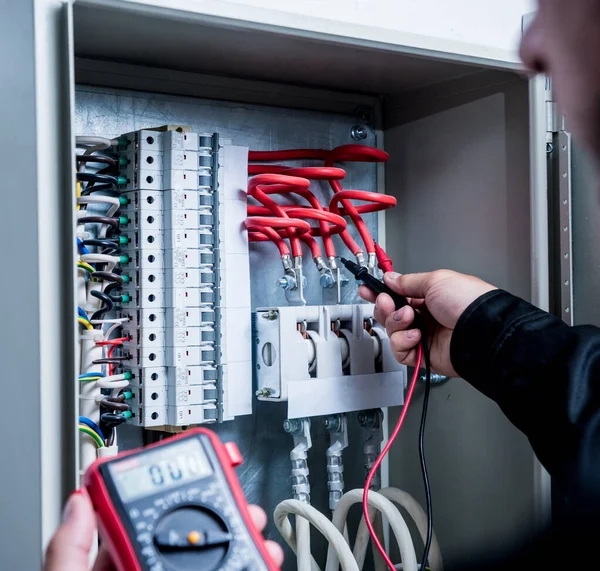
{"x":337,"y":425}
{"x":299,"y":428}
{"x":565,"y":221}
{"x":294,"y":283}
{"x":372,"y":423}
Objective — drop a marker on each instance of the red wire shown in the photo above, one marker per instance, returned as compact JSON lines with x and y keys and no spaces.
{"x":289,"y":155}
{"x":118,"y":341}
{"x":256,"y":188}
{"x":358,"y":154}
{"x":384,"y":262}
{"x":354,"y":153}
{"x":312,"y":244}
{"x":284,"y":184}
{"x":269,"y":235}
{"x":114,"y":343}
{"x":386,"y":448}
{"x":311,"y":173}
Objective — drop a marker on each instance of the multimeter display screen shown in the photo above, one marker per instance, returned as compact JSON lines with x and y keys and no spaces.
{"x":152,"y":472}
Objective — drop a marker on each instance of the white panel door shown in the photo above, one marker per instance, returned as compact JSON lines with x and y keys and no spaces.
{"x":466,"y":28}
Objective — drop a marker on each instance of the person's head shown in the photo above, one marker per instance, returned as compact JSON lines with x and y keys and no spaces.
{"x":564,"y":42}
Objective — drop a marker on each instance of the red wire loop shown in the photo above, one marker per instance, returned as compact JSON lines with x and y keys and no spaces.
{"x":386,"y":449}
{"x":259,"y":187}
{"x":343,"y":153}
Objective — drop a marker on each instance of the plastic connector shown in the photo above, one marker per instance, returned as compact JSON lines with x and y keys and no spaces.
{"x":121,"y":180}
{"x":124,"y":240}
{"x":107,"y":451}
{"x":123,"y":220}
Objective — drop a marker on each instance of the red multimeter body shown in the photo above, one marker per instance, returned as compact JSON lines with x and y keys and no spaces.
{"x":176,"y":505}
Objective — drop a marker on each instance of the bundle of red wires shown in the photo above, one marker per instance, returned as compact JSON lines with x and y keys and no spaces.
{"x":286,"y":219}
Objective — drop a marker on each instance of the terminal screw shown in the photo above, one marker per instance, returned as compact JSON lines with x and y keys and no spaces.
{"x":332,"y":422}
{"x":327,"y":281}
{"x":270,"y":315}
{"x":292,"y":426}
{"x":266,"y":392}
{"x":286,"y":283}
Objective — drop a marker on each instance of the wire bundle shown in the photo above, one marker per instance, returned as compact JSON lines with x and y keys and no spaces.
{"x":285,"y":180}
{"x":99,"y":266}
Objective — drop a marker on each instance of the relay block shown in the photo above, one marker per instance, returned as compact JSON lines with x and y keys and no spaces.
{"x":186,"y":208}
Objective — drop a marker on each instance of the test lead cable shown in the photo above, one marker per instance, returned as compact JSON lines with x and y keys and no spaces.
{"x":362,"y":274}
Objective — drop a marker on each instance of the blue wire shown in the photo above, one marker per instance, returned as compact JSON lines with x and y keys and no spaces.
{"x":81,"y":247}
{"x":92,"y":425}
{"x":82,"y":313}
{"x":91,"y":375}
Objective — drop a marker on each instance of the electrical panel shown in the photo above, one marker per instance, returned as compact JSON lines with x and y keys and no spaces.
{"x":166,"y":222}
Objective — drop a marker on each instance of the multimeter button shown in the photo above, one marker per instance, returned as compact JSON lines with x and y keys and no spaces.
{"x":234,"y":454}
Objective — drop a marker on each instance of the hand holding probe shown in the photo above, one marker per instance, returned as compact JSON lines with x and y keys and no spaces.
{"x":378,"y":287}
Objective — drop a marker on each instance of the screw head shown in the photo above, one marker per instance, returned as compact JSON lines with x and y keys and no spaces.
{"x":292,"y":426}
{"x":270,"y":315}
{"x":327,"y":281}
{"x":549,"y":148}
{"x":332,"y":423}
{"x":359,"y":132}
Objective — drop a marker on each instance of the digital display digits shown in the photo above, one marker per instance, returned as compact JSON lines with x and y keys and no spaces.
{"x":166,"y":468}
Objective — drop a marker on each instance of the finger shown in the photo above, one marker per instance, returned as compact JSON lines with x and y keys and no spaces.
{"x":384,"y":305}
{"x":104,"y":561}
{"x":417,"y":303}
{"x":275,"y":552}
{"x":70,"y":547}
{"x":409,"y":285}
{"x":403,"y":345}
{"x":367,"y":294}
{"x":399,"y":320}
{"x":258,"y":516}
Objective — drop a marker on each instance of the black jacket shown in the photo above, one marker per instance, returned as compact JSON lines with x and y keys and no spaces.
{"x":545,"y":376}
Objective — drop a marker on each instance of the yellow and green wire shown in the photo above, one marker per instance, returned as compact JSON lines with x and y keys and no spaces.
{"x":85,"y":266}
{"x":92,"y":434}
{"x":85,"y":322}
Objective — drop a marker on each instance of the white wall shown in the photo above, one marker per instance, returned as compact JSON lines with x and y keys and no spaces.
{"x":469,"y":28}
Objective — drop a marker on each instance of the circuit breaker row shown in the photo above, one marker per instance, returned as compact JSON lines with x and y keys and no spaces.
{"x":174,"y":210}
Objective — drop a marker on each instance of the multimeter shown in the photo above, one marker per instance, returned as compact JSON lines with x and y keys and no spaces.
{"x":176,"y":505}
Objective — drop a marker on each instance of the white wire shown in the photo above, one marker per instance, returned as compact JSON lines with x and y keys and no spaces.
{"x":418,"y":515}
{"x":110,"y":330}
{"x":394,"y":517}
{"x":115,"y":320}
{"x":318,"y":520}
{"x":113,"y":200}
{"x":113,"y":382}
{"x":112,"y":261}
{"x":94,"y":143}
{"x":303,"y":553}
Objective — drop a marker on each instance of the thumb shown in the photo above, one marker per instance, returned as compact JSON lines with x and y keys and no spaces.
{"x":70,"y":547}
{"x":409,"y":285}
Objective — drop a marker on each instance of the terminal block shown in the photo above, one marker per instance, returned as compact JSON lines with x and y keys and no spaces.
{"x":186,"y":207}
{"x":325,"y":360}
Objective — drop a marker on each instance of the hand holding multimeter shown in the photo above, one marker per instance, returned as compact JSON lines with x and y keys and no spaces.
{"x":173,"y":506}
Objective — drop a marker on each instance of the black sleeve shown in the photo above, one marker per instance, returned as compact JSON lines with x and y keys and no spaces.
{"x":545,"y":376}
